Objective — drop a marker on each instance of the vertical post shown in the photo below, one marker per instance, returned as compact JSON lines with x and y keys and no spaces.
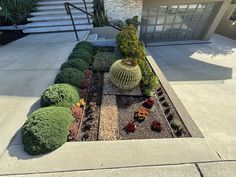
{"x":72,"y":20}
{"x":85,"y":6}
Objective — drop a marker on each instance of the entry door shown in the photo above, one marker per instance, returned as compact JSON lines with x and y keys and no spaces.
{"x":176,"y":22}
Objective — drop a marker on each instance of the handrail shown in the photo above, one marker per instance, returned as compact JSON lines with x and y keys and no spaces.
{"x":68,"y":11}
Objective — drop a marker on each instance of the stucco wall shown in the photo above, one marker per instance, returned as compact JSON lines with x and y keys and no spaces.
{"x":226,"y":26}
{"x":123,"y":9}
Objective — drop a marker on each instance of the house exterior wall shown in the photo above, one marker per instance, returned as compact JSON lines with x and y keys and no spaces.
{"x":123,"y":9}
{"x":226,"y":26}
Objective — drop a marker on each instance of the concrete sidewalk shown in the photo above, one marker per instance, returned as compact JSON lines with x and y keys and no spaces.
{"x":27,"y":67}
{"x":202,"y":75}
{"x":204,"y":78}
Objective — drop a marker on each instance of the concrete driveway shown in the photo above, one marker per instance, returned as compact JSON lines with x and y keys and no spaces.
{"x":204,"y":78}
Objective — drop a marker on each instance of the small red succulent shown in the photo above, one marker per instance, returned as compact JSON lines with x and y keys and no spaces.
{"x":88,"y":73}
{"x":73,"y":132}
{"x":77,"y":112}
{"x":156,"y":126}
{"x":149,"y":102}
{"x":130,"y":127}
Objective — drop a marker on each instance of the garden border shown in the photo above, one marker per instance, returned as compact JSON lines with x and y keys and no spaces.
{"x":181,"y":110}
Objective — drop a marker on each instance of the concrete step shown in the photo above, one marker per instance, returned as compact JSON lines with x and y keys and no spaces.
{"x":57,"y":29}
{"x":56,"y":7}
{"x":58,"y":12}
{"x":56,"y":23}
{"x":56,"y":17}
{"x":92,"y":37}
{"x":57,"y":2}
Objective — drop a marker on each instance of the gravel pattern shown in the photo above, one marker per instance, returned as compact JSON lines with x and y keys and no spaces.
{"x":108,"y":129}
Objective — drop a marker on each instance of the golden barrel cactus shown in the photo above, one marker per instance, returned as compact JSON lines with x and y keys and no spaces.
{"x":125,"y":76}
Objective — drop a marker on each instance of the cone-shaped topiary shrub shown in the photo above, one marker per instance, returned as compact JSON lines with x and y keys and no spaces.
{"x":64,"y":95}
{"x":84,"y":45}
{"x":77,"y":64}
{"x":124,"y":76}
{"x":71,"y":76}
{"x":128,"y":43}
{"x":103,"y":61}
{"x":81,"y":53}
{"x":46,"y":130}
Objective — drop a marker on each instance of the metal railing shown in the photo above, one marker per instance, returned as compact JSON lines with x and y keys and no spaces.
{"x":85,"y":11}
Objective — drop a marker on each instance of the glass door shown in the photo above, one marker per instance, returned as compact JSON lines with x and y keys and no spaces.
{"x":176,"y":22}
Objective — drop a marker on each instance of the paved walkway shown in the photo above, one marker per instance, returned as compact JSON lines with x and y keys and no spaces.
{"x":27,"y":67}
{"x":203,"y":76}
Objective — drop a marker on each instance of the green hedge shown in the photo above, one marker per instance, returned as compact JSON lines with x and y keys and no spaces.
{"x":46,"y":130}
{"x":64,"y":95}
{"x":76,"y":63}
{"x":71,"y":76}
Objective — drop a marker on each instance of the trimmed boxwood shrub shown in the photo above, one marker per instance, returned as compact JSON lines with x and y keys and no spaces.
{"x":84,"y":45}
{"x":103,"y":61}
{"x":71,"y":76}
{"x":46,"y":130}
{"x":64,"y":95}
{"x":81,"y":53}
{"x":76,"y":63}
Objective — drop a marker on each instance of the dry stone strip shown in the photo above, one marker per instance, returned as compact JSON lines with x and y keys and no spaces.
{"x":108,"y":128}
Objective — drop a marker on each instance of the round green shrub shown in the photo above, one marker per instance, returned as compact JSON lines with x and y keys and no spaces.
{"x":76,"y":63}
{"x":46,"y":130}
{"x":103,"y":61}
{"x":84,"y":45}
{"x":81,"y":53}
{"x":64,"y":95}
{"x":71,"y":76}
{"x":123,"y":76}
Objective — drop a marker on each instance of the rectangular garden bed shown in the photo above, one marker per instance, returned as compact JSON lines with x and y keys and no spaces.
{"x":110,"y":113}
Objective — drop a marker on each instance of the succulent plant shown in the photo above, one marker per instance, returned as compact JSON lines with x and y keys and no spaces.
{"x":141,"y":114}
{"x":156,"y":126}
{"x":176,"y":124}
{"x":130,"y":127}
{"x":123,"y":76}
{"x":149,"y":102}
{"x":103,"y":61}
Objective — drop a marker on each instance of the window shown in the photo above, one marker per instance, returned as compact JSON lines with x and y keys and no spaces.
{"x":233,"y":16}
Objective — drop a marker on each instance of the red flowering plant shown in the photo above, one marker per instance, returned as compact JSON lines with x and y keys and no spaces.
{"x":149,"y":102}
{"x":77,"y":112}
{"x":156,"y":126}
{"x":73,"y":132}
{"x":130,"y":127}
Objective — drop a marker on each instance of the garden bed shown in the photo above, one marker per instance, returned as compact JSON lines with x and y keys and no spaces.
{"x":104,"y":94}
{"x":113,"y":110}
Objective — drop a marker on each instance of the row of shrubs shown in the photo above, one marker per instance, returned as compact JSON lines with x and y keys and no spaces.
{"x":47,"y":128}
{"x":130,"y":47}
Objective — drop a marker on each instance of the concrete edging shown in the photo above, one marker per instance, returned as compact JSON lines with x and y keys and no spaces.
{"x":183,"y":113}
